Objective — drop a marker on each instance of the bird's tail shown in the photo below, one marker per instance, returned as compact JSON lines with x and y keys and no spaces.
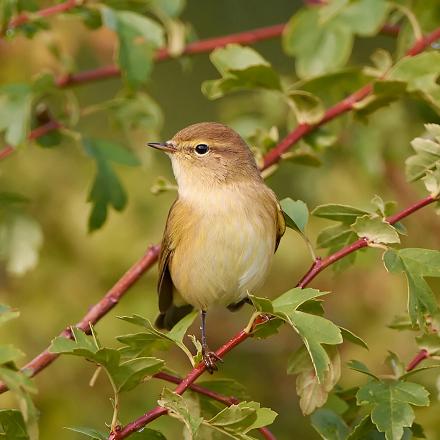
{"x":172,"y":316}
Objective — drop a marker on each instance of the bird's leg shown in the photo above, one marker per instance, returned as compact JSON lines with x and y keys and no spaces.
{"x":209,"y":357}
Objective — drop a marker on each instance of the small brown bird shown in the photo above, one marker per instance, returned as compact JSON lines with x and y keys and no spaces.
{"x":221,"y":232}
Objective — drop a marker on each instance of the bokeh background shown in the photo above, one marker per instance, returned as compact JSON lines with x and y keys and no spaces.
{"x":76,"y":268}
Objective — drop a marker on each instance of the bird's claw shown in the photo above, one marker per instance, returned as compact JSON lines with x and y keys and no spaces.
{"x":210,"y":359}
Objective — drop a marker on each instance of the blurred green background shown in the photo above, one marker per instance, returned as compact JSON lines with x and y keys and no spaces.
{"x":76,"y":268}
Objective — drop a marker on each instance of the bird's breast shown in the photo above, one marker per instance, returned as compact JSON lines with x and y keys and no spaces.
{"x":227,"y":245}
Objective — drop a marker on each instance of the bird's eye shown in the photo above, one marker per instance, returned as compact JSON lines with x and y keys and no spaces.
{"x":201,"y":149}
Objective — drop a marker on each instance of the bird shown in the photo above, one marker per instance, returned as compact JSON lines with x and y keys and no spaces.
{"x":222,"y":230}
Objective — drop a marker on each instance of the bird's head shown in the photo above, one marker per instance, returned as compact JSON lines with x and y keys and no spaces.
{"x":209,"y":154}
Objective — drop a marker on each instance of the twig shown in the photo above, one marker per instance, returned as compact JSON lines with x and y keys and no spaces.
{"x":42,"y":13}
{"x":316,"y":268}
{"x":246,"y":37}
{"x":99,"y":310}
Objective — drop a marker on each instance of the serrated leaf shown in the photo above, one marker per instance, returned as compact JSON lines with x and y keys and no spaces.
{"x":124,"y":375}
{"x":313,"y":330}
{"x":106,"y":189}
{"x":138,"y":36}
{"x":308,"y":108}
{"x":391,"y":404}
{"x":329,"y":425}
{"x":375,"y":230}
{"x":296,"y":213}
{"x":178,"y":408}
{"x":416,"y":264}
{"x":341,"y":213}
{"x":174,"y":336}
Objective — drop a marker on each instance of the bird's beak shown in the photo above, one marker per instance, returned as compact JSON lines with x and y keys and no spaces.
{"x":167,"y":147}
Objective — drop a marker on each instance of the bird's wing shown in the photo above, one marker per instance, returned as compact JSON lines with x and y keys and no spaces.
{"x":281,"y":226}
{"x":165,"y":285}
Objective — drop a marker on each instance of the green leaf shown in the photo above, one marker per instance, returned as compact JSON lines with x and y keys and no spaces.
{"x":313,"y":330}
{"x":318,"y":47}
{"x":391,"y":404}
{"x":395,"y":364}
{"x":341,"y":213}
{"x":365,"y":17}
{"x":165,"y":340}
{"x":426,"y":161}
{"x":137,"y":112}
{"x":106,"y":189}
{"x":12,"y":426}
{"x":8,"y":353}
{"x":334,"y":237}
{"x":432,"y":181}
{"x":329,"y":425}
{"x":296,"y":213}
{"x":21,"y":238}
{"x":242,"y":418}
{"x":138,"y":36}
{"x":350,"y":336}
{"x":361,"y":368}
{"x":316,"y":331}
{"x":125,"y":375}
{"x":401,"y":322}
{"x":313,"y":392}
{"x":420,"y":72}
{"x":241,"y":68}
{"x":416,"y":264}
{"x":308,"y":108}
{"x":178,"y":408}
{"x":375,"y":230}
{"x":15,"y":112}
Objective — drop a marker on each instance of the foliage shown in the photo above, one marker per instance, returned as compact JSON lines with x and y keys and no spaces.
{"x":264,"y":103}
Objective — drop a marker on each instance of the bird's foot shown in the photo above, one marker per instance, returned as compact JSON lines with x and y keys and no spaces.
{"x":210,"y":360}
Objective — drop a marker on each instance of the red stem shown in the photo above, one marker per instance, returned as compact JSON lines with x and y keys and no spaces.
{"x":42,"y":13}
{"x":246,"y":37}
{"x":318,"y":266}
{"x":419,"y":357}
